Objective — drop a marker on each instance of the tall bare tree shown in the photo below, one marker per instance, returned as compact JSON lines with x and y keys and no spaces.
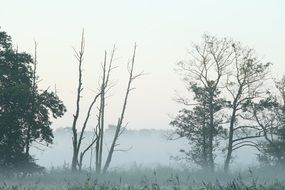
{"x":98,"y":139}
{"x":104,"y":88}
{"x":119,"y":128}
{"x":79,"y":56}
{"x":244,"y":84}
{"x":78,"y":154}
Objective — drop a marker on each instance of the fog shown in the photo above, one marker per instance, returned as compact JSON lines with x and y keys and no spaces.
{"x":164,"y":31}
{"x":226,"y":99}
{"x":148,"y":148}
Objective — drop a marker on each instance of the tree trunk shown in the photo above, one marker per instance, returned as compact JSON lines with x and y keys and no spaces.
{"x":231,"y":130}
{"x":28,"y":141}
{"x":211,"y":135}
{"x":79,"y":56}
{"x":120,"y":120}
{"x":111,"y":151}
{"x":230,"y":141}
{"x":74,"y":159}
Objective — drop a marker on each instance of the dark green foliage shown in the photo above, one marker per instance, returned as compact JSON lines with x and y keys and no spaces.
{"x":201,"y":122}
{"x":195,"y":125}
{"x":24,"y":109}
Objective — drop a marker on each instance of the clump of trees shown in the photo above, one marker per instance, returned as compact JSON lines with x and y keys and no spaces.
{"x":25,"y":110}
{"x":227,"y":83}
{"x":99,"y":99}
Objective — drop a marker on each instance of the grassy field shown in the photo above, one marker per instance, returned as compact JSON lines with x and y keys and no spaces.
{"x":148,"y":179}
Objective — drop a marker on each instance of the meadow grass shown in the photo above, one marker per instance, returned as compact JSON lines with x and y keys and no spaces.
{"x":148,"y":179}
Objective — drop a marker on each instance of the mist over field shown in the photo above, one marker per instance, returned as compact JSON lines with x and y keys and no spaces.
{"x":146,"y":148}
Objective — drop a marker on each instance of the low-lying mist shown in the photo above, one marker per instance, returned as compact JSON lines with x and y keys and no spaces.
{"x":148,"y":148}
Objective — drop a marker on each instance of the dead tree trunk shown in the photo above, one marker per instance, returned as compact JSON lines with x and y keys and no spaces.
{"x":101,"y":119}
{"x":79,"y":57}
{"x":78,"y":156}
{"x":118,"y":131}
{"x":94,"y":140}
{"x":105,"y":85}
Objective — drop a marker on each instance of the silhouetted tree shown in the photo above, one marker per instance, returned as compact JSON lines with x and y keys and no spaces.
{"x":203,"y":76}
{"x":270,"y":116}
{"x":76,"y":144}
{"x":119,"y":127}
{"x":244,"y":84}
{"x":98,"y":139}
{"x":24,"y":109}
{"x":78,"y":152}
{"x":226,"y":79}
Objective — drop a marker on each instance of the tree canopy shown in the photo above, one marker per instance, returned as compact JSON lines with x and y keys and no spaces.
{"x":230,"y":99}
{"x":25,"y":110}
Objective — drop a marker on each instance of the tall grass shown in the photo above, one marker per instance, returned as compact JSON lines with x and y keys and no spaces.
{"x":148,"y":179}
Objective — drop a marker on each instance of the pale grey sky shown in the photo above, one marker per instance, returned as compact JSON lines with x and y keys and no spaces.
{"x":163,"y":30}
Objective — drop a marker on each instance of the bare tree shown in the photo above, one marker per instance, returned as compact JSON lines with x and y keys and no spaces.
{"x":119,"y":128}
{"x":95,"y":137}
{"x":75,"y":141}
{"x":98,"y":139}
{"x":244,"y":84}
{"x":105,"y":86}
{"x":78,"y":155}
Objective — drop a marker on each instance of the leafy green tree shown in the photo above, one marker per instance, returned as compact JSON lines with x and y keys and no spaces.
{"x":24,"y":109}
